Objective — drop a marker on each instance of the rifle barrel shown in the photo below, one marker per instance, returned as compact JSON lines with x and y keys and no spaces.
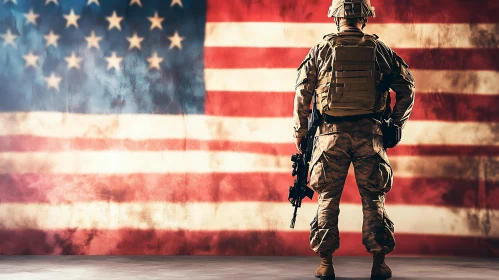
{"x":293,"y":220}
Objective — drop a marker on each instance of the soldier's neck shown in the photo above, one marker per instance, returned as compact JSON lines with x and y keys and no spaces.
{"x":349,"y":28}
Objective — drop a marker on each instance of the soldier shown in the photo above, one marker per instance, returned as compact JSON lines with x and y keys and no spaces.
{"x":351,"y":73}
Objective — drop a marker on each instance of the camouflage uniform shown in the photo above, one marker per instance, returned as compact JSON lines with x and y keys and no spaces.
{"x":360,"y":141}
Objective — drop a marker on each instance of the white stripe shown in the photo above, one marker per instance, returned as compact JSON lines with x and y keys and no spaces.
{"x":306,"y":35}
{"x":117,"y":162}
{"x":196,"y":127}
{"x":238,"y":216}
{"x":283,"y":80}
{"x":124,"y":162}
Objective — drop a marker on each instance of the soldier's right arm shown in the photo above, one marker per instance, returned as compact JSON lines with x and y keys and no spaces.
{"x":304,"y":90}
{"x":401,"y":82}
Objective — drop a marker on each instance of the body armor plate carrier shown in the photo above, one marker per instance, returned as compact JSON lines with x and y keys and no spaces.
{"x":350,"y":85}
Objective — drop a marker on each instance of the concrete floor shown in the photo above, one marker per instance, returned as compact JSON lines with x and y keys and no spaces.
{"x":251,"y":268}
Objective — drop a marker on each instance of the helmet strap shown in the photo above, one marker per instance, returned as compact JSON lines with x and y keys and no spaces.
{"x":337,"y":21}
{"x":364,"y":22}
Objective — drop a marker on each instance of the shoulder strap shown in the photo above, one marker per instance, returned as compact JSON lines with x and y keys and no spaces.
{"x":328,"y":37}
{"x":373,"y":38}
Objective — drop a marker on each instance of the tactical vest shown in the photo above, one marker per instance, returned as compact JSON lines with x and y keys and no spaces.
{"x":349,"y":86}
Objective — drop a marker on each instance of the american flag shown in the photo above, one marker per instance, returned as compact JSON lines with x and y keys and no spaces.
{"x":164,"y":127}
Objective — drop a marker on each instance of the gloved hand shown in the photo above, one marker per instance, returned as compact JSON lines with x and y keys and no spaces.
{"x":392,"y":134}
{"x":297,"y":143}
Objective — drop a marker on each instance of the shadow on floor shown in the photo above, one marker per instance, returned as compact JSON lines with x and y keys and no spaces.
{"x":352,"y":278}
{"x":394,"y":278}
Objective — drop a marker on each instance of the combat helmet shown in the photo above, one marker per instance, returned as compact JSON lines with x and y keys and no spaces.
{"x":351,"y":9}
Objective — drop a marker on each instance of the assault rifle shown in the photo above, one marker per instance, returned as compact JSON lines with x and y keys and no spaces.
{"x":300,"y":189}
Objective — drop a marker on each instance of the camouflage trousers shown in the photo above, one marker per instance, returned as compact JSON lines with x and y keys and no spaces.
{"x":334,"y":150}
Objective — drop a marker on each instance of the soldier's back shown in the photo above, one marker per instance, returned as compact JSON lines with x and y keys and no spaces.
{"x":329,"y":78}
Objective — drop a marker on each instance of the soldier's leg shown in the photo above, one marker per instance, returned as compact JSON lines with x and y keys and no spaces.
{"x":328,"y":171}
{"x":374,"y":176}
{"x":374,"y":179}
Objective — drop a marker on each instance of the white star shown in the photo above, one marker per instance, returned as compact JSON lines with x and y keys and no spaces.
{"x":179,"y":2}
{"x":114,"y":21}
{"x":53,"y":81}
{"x":135,"y":2}
{"x":73,"y":61}
{"x":114,"y":61}
{"x":135,"y":41}
{"x":72,"y":19}
{"x":49,"y":1}
{"x":176,"y":41}
{"x":9,"y":38}
{"x":31,"y":17}
{"x":31,"y":60}
{"x":154,"y":61}
{"x":93,"y":41}
{"x":156,"y":21}
{"x":13,"y":1}
{"x":93,"y":1}
{"x":51,"y":39}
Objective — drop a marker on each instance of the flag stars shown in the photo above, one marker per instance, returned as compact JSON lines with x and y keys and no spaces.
{"x":73,"y":61}
{"x":51,"y":1}
{"x":31,"y":17}
{"x":51,"y":39}
{"x":176,"y":41}
{"x":135,"y":41}
{"x":156,"y":21}
{"x":9,"y":38}
{"x":96,"y":2}
{"x":178,"y":2}
{"x":114,"y":61}
{"x":53,"y":81}
{"x":72,"y":19}
{"x":154,"y":61}
{"x":93,"y":41}
{"x":31,"y":60}
{"x":135,"y":2}
{"x":114,"y":21}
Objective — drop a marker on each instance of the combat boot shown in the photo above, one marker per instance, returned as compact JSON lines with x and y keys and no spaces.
{"x":325,"y":271}
{"x":380,"y":270}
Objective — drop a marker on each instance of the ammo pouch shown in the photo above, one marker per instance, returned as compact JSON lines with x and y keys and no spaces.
{"x":392,"y":134}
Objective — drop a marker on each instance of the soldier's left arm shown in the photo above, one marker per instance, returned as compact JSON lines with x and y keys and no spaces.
{"x":403,"y":84}
{"x":304,"y":90}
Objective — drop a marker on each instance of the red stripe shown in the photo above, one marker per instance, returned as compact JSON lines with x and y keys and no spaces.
{"x":25,"y":143}
{"x":453,"y":59}
{"x":232,"y":243}
{"x":428,"y":106}
{"x":444,"y":150}
{"x":436,"y":59}
{"x":455,"y":107}
{"x":387,"y":11}
{"x":226,"y":187}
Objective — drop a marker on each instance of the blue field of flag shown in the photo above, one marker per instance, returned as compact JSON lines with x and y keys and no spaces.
{"x":102,"y":56}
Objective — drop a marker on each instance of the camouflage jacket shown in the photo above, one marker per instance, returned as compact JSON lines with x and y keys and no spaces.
{"x":391,"y":73}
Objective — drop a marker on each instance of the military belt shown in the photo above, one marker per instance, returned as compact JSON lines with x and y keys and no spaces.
{"x":331,"y":119}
